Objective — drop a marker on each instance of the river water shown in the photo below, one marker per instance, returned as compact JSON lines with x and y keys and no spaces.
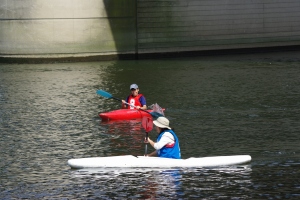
{"x":218,"y":105}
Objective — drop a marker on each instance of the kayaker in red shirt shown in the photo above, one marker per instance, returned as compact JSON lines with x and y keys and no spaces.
{"x":135,"y":98}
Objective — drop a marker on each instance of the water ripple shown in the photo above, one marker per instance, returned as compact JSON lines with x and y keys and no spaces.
{"x":218,"y":106}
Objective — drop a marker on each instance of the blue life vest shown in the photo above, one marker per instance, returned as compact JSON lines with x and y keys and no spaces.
{"x":167,"y":151}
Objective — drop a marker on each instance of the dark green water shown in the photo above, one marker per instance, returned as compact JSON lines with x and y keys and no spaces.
{"x":222,"y":105}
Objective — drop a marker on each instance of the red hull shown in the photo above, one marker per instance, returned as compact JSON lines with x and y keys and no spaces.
{"x":124,"y":114}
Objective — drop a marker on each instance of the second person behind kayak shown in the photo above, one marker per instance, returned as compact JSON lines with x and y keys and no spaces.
{"x":135,"y":98}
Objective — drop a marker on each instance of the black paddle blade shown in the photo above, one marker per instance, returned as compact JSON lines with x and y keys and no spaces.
{"x":156,"y":115}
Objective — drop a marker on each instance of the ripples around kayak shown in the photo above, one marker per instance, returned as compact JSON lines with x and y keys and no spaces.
{"x":225,"y":105}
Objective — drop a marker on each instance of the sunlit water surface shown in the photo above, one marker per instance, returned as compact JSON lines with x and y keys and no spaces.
{"x":221,"y":105}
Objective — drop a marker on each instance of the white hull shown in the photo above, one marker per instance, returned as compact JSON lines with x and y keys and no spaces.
{"x":142,"y":161}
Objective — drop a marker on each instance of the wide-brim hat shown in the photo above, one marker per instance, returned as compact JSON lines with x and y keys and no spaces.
{"x":162,"y":122}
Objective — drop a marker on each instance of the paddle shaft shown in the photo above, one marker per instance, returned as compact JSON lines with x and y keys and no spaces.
{"x":146,"y":146}
{"x":135,"y":107}
{"x":131,"y":105}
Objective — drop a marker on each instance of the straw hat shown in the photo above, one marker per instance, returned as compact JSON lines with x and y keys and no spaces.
{"x":162,"y":122}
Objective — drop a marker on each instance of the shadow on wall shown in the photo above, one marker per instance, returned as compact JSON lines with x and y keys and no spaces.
{"x":121,"y":15}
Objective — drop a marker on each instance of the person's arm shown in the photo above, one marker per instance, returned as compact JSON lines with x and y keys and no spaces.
{"x":167,"y":138}
{"x":124,"y":105}
{"x":153,"y":154}
{"x":144,"y":107}
{"x":151,"y":142}
{"x":143,"y":103}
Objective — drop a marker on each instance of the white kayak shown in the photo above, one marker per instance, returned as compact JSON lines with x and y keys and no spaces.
{"x":156,"y":162}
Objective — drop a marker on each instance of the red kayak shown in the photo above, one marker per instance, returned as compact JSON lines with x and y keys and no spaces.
{"x":124,"y":114}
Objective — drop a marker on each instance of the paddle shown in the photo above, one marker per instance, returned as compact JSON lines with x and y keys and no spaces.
{"x":147,"y":125}
{"x":109,"y":96}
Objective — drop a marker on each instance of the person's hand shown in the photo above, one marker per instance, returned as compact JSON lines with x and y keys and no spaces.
{"x":138,"y":107}
{"x":149,"y":140}
{"x":123,"y":101}
{"x":146,"y":140}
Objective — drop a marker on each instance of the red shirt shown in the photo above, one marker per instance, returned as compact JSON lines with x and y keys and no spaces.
{"x":134,"y":101}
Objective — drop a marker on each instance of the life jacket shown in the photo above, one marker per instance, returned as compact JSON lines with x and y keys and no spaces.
{"x":134,"y":101}
{"x":169,"y":151}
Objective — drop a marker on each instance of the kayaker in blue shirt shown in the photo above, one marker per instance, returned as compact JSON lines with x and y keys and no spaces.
{"x":135,"y":98}
{"x":167,"y":144}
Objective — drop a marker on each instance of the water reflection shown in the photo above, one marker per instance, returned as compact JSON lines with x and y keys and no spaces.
{"x":151,"y":183}
{"x":224,"y":105}
{"x":128,"y":135}
{"x":166,"y":182}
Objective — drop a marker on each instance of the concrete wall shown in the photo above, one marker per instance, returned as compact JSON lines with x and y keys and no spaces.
{"x":192,"y":25}
{"x":33,"y":28}
{"x":36,"y":27}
